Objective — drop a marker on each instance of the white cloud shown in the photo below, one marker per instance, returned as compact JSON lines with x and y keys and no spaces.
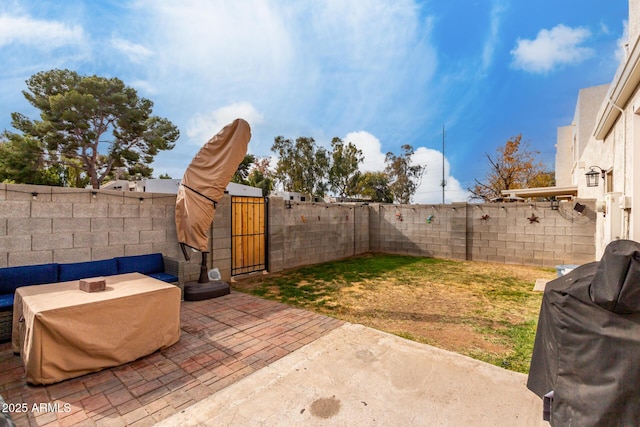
{"x":203,"y":126}
{"x":228,"y":41}
{"x":371,"y":150}
{"x":493,"y":39}
{"x":136,"y":53}
{"x":38,"y":34}
{"x":345,"y":64}
{"x":430,"y":189}
{"x":143,"y":85}
{"x":552,"y":48}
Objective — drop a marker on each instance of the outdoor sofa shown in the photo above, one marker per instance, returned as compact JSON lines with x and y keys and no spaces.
{"x":154,"y":265}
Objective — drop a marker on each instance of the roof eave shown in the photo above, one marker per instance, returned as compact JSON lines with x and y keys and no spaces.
{"x":570,"y":191}
{"x":622,"y":88}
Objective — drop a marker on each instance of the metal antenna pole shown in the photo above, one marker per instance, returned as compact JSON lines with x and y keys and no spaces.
{"x":443,"y":181}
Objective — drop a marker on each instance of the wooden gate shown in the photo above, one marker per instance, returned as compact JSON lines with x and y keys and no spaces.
{"x":248,"y":234}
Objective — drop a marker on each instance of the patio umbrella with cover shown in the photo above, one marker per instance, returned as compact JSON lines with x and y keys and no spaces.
{"x":205,"y":181}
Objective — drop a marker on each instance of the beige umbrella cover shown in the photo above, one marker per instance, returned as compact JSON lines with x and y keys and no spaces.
{"x":205,"y":181}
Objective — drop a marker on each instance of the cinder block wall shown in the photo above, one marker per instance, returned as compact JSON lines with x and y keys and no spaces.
{"x":71,"y":225}
{"x":41,"y":224}
{"x":513,"y":233}
{"x":310,"y":233}
{"x":422,"y":230}
{"x":532,"y":233}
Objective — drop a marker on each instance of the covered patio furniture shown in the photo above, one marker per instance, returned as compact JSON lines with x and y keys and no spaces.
{"x":587,"y":346}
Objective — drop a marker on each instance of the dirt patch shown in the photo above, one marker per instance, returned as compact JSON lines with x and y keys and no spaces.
{"x":433,"y":314}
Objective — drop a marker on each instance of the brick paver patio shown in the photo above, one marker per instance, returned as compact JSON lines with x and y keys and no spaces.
{"x":223,"y":340}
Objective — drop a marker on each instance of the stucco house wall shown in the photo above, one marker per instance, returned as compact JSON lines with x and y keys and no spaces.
{"x":564,"y":156}
{"x":606,"y":134}
{"x":634,"y":19}
{"x":587,"y":107}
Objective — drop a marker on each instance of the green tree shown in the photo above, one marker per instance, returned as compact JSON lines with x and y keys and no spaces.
{"x":82,"y":114}
{"x":75,"y":176}
{"x":22,"y":161}
{"x":375,"y":186}
{"x":241,"y":174}
{"x":164,"y":176}
{"x":403,"y":175}
{"x":261,"y":175}
{"x":515,"y":166}
{"x":343,"y":172}
{"x":302,"y":166}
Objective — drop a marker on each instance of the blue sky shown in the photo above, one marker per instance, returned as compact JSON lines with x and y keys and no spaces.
{"x":379,"y":73}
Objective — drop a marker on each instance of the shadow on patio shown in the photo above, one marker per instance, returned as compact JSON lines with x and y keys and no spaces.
{"x":223,"y":340}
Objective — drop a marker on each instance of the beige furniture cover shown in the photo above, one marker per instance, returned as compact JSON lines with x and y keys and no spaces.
{"x":205,"y":181}
{"x":67,"y":332}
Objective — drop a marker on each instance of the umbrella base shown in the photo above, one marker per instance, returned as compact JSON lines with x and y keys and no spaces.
{"x":194,"y":291}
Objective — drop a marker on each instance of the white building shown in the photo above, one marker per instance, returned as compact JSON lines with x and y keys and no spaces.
{"x":603,"y":144}
{"x":612,"y":152}
{"x":294,"y":196}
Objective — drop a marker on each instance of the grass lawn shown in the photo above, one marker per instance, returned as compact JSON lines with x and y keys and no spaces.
{"x":483,"y":310}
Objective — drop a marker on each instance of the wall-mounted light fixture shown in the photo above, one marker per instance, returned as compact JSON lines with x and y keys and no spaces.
{"x":579,"y":207}
{"x":555,"y":205}
{"x":34,"y":195}
{"x":593,"y":174}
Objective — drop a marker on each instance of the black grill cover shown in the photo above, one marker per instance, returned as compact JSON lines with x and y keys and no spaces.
{"x":587,"y":346}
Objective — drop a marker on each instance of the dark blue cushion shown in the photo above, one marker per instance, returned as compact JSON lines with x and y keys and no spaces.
{"x":165,"y":277}
{"x":6,"y":302}
{"x":12,"y":278}
{"x":145,"y":264}
{"x":82,"y":270}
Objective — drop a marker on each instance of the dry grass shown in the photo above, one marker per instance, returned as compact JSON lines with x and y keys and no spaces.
{"x":486,"y":311}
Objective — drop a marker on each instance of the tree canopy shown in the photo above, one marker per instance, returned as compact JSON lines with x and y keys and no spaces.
{"x":241,"y":174}
{"x":90,"y":125}
{"x":254,"y":171}
{"x":375,"y":186}
{"x":21,"y":161}
{"x":404,"y":176}
{"x":302,"y":166}
{"x":515,"y":166}
{"x":261,"y":175}
{"x":343,"y":172}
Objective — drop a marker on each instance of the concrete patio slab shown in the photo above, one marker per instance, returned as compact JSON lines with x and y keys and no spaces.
{"x":356,"y":376}
{"x":540,"y":285}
